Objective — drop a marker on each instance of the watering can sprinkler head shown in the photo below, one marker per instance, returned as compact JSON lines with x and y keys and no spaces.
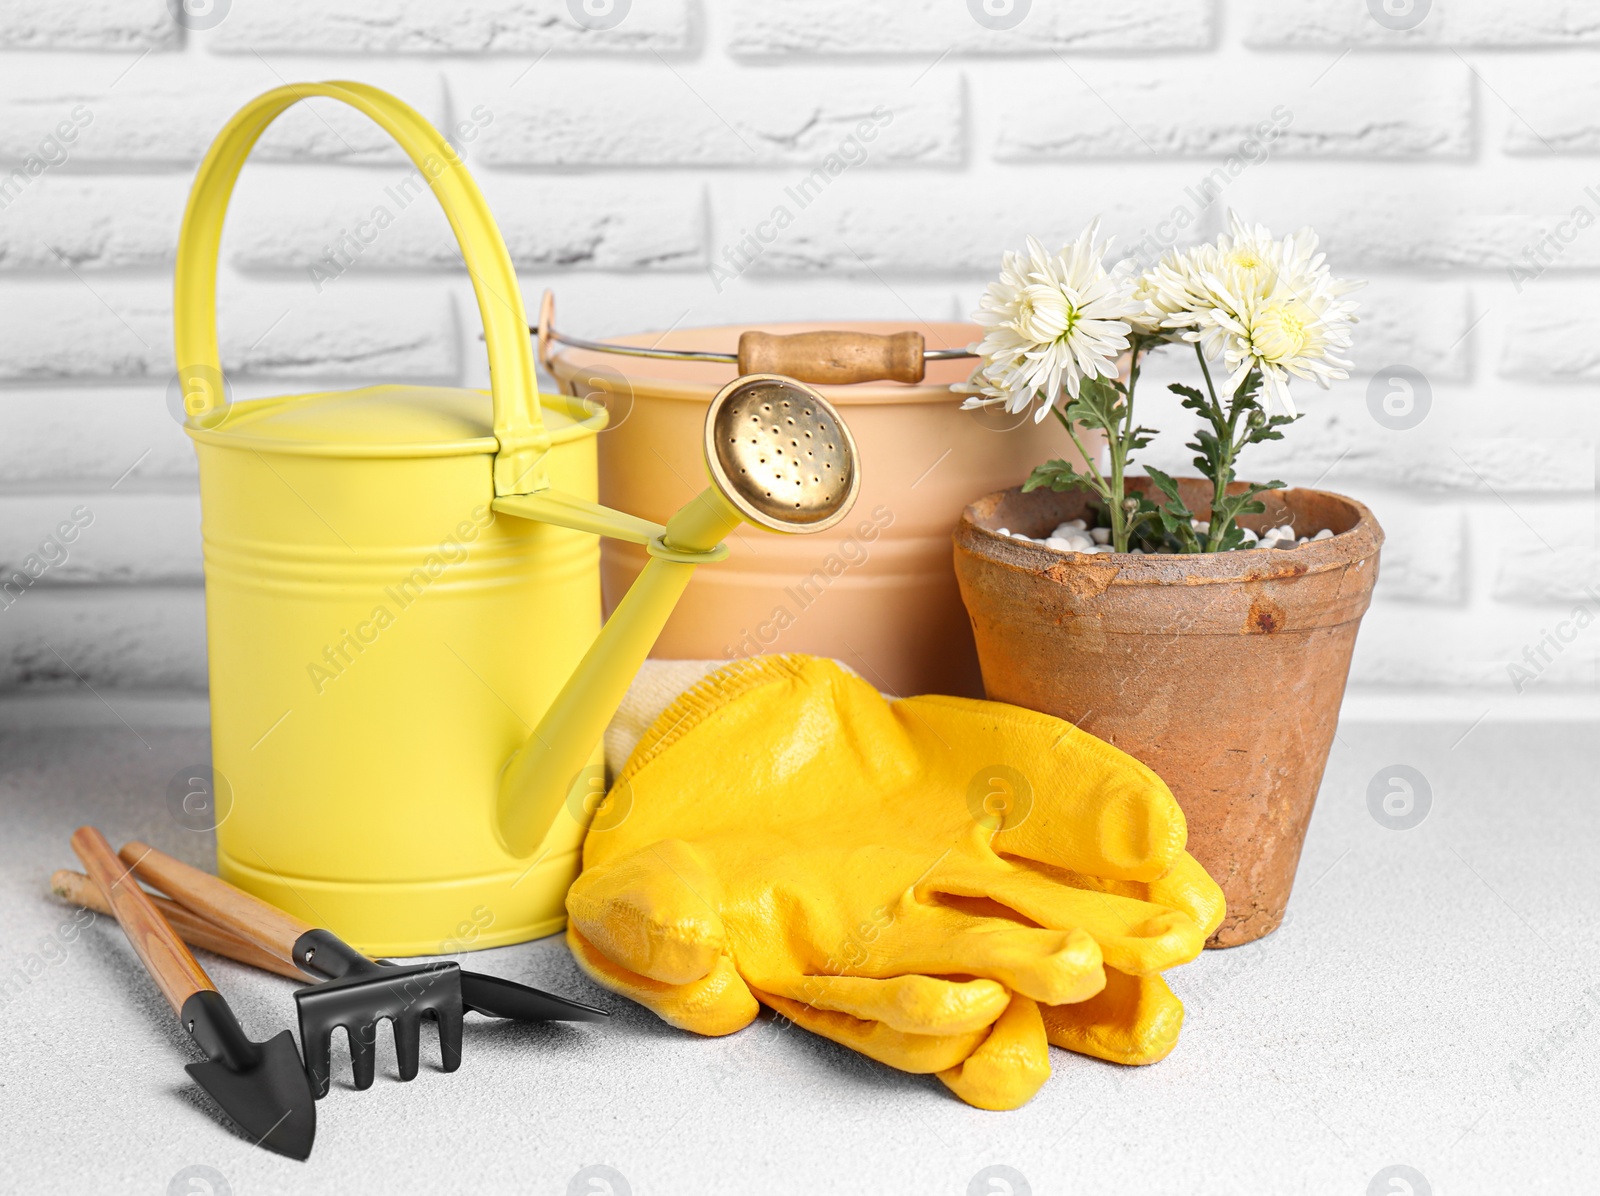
{"x":781,"y":458}
{"x":780,"y":455}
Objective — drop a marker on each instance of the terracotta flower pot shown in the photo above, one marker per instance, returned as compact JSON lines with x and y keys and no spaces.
{"x":877,"y":591}
{"x":1223,"y":672}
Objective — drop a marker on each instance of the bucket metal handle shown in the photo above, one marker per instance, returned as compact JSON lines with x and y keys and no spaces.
{"x":518,"y":427}
{"x":833,"y":357}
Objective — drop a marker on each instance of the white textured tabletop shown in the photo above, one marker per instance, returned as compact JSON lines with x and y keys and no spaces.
{"x":1428,"y":1021}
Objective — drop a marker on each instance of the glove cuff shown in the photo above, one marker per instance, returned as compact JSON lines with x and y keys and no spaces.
{"x":707,"y":696}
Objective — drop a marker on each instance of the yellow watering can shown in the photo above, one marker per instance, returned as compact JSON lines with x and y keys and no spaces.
{"x":408,"y":674}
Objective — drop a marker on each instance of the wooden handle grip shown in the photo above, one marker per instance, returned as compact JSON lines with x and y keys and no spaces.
{"x":218,"y":902}
{"x":165,"y":957}
{"x":833,"y":357}
{"x":191,"y":928}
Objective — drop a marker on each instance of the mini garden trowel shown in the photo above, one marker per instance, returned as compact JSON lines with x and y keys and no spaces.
{"x":260,"y":1085}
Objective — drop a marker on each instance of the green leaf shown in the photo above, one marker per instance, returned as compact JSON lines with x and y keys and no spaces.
{"x":1232,"y":538}
{"x":1243,"y":503}
{"x":1145,"y":527}
{"x":1058,"y":476}
{"x":1179,"y":533}
{"x":1167,"y":486}
{"x":1098,"y":405}
{"x":1209,"y":462}
{"x":1268,"y":430}
{"x":1174,"y":515}
{"x":1256,"y":488}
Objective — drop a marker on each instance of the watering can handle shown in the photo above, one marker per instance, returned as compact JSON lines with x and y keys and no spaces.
{"x":523,"y":441}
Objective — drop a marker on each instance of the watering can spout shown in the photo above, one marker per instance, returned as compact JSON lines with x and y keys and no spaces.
{"x":779,"y":457}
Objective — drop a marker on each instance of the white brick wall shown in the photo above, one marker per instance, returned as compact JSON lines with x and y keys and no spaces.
{"x":1366,"y":109}
{"x":733,"y":117}
{"x":623,"y":162}
{"x":1486,"y":24}
{"x":784,"y":28}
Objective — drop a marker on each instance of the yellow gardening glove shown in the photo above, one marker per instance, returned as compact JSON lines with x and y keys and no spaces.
{"x":1134,"y":1020}
{"x":998,"y":1065}
{"x":784,"y":834}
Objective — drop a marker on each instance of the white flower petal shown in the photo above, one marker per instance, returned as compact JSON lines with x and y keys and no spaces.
{"x":1052,"y":320}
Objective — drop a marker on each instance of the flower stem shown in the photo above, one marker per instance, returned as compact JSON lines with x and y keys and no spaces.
{"x":1225,"y":425}
{"x":1119,"y":517}
{"x":1120,"y":529}
{"x":1100,"y":484}
{"x":1109,"y":490}
{"x":1117,"y":424}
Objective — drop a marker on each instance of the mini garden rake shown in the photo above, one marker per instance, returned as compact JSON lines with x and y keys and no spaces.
{"x":356,"y":992}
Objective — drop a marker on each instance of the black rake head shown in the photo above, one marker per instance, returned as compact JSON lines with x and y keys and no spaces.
{"x":367,"y":993}
{"x":402,"y":995}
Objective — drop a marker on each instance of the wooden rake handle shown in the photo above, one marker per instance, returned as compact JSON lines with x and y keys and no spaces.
{"x":168,"y":961}
{"x":836,"y":358}
{"x":218,"y":902}
{"x":191,"y":928}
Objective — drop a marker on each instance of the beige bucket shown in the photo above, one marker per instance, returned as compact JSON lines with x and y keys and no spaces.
{"x":879,"y":591}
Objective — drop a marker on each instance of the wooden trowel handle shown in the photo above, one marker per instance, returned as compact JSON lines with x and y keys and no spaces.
{"x":833,"y":357}
{"x":218,"y":902}
{"x":192,"y":928}
{"x":165,"y":957}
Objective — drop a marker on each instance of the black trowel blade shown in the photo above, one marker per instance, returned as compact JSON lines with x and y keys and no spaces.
{"x":270,"y":1100}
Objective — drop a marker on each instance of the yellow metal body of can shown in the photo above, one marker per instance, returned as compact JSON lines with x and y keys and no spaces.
{"x":380,"y":643}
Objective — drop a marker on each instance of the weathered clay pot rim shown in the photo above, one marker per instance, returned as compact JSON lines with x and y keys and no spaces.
{"x":1361,"y":540}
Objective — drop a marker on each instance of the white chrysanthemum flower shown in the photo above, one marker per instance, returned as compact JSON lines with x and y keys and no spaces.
{"x":984,"y":391}
{"x":1249,"y":258}
{"x":1053,"y":320}
{"x":1170,"y":294}
{"x":1270,"y":306}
